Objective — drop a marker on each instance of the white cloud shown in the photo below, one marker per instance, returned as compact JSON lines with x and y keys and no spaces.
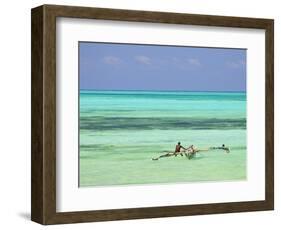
{"x":185,"y":63}
{"x":193,"y":61}
{"x":236,"y":64}
{"x":111,"y":60}
{"x":143,"y":59}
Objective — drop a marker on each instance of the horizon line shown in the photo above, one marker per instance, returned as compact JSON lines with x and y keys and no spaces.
{"x":152,"y":90}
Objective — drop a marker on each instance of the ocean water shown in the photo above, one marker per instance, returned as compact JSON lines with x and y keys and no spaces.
{"x":121,"y":131}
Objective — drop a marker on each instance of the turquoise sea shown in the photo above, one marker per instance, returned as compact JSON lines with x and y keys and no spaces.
{"x":120,"y":131}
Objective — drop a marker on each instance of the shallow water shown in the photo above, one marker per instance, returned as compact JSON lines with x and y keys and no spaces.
{"x":120,"y":131}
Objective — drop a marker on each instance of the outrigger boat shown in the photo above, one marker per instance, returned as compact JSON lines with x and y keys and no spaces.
{"x":190,"y":152}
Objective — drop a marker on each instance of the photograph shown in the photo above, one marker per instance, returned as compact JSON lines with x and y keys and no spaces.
{"x":141,"y":114}
{"x":157,"y":114}
{"x":149,"y":114}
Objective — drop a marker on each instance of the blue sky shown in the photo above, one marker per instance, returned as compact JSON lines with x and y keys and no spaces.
{"x":108,"y":66}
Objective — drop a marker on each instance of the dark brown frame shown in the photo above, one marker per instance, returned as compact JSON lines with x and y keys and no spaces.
{"x":43,"y":160}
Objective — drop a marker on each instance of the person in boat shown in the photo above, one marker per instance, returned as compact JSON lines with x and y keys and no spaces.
{"x":223,"y":147}
{"x":178,"y":149}
{"x":175,"y":153}
{"x":189,"y":152}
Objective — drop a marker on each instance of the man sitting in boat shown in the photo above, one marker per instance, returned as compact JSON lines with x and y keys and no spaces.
{"x":175,"y":153}
{"x":178,"y":149}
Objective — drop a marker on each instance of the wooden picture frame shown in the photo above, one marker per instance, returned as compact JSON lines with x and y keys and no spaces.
{"x":43,"y":188}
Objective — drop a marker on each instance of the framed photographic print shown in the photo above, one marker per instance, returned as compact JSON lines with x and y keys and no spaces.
{"x":141,"y":114}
